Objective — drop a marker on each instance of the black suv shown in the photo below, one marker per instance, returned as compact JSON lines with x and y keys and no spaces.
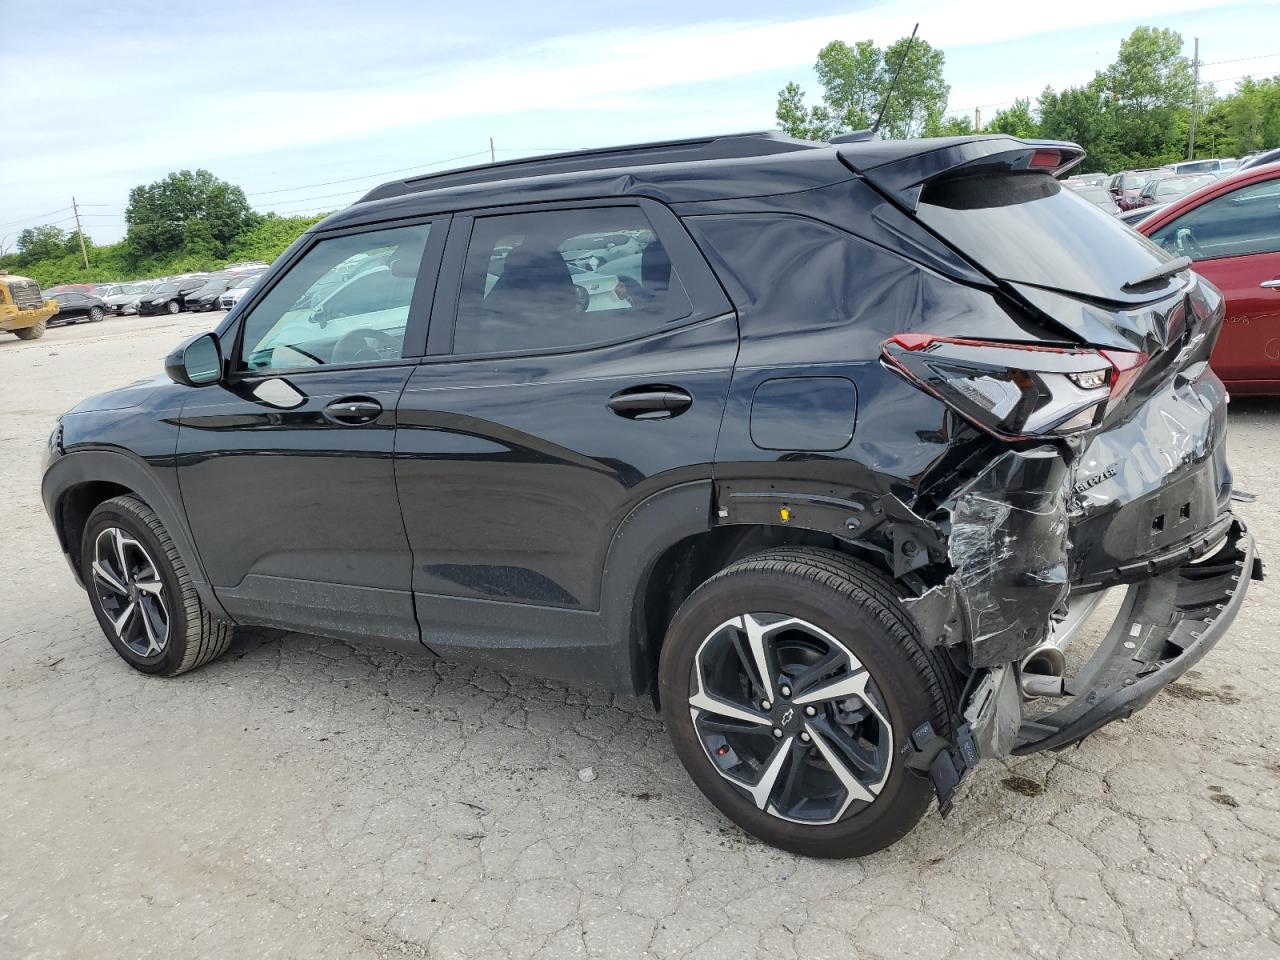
{"x":832,"y":448}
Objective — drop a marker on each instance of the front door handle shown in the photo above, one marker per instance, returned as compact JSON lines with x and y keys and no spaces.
{"x":1270,"y":284}
{"x":650,"y":402}
{"x":353,"y":411}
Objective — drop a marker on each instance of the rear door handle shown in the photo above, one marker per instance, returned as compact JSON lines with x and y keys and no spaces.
{"x":650,"y":402}
{"x":1270,"y":284}
{"x":353,"y":411}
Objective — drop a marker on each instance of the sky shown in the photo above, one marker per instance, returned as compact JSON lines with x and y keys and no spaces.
{"x":306,"y":105}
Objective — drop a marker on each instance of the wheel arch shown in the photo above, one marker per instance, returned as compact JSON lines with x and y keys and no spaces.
{"x":79,"y":481}
{"x":668,"y":546}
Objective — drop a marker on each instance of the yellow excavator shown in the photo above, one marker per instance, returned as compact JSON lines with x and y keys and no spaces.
{"x":24,"y":311}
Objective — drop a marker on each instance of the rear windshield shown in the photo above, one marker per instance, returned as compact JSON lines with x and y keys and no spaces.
{"x":1026,"y":228}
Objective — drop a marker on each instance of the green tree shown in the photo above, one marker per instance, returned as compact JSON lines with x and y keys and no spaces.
{"x":164,"y":215}
{"x":850,"y":78}
{"x":1148,"y":87}
{"x":960,"y":126}
{"x":797,"y":120}
{"x":1080,"y":115}
{"x":855,"y":80}
{"x":1016,"y":120}
{"x":43,"y":242}
{"x":1251,"y":116}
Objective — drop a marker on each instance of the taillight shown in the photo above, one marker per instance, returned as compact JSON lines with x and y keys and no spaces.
{"x":1017,"y":391}
{"x":1045,"y":160}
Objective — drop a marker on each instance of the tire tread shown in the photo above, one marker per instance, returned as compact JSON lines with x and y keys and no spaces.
{"x":207,"y":637}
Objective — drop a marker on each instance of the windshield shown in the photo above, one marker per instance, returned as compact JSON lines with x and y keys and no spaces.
{"x":165,"y":288}
{"x":1026,"y":228}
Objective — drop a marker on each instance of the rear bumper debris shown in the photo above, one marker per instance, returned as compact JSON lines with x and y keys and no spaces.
{"x":1166,"y":625}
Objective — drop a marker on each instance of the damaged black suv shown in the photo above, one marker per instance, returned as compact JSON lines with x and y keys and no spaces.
{"x":831,"y":447}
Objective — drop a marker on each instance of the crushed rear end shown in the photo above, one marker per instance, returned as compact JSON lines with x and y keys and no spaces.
{"x":1104,"y":463}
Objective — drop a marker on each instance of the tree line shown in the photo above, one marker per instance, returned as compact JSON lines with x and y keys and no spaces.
{"x":1134,"y":113}
{"x":188,"y":222}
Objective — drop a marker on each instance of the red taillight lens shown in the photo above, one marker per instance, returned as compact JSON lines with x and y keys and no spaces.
{"x":1045,"y":160}
{"x":1016,"y":391}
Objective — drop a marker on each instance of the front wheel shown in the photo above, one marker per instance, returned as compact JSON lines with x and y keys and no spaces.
{"x":172,"y":306}
{"x":142,"y":594}
{"x":790,"y":684}
{"x":95,"y":314}
{"x":33,"y":332}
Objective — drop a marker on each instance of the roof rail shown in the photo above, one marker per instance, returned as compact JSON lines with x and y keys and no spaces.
{"x":716,"y":147}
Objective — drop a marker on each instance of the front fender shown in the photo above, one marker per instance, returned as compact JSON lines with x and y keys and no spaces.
{"x":80,"y":467}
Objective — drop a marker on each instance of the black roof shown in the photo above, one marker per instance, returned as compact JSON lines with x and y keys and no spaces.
{"x":722,"y":167}
{"x":716,"y":147}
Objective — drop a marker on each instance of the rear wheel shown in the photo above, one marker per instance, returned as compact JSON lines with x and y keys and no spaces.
{"x":142,"y":594}
{"x":31,"y":333}
{"x":790,"y":683}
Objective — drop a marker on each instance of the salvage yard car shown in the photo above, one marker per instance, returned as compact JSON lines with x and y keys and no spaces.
{"x":24,"y":310}
{"x":168,"y":297}
{"x":836,"y":480}
{"x":1231,"y":232}
{"x":75,"y":307}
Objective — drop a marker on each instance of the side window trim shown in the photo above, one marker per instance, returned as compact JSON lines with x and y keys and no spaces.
{"x":420,"y":306}
{"x":703,"y":288}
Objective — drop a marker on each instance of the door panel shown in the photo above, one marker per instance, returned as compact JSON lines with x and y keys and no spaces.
{"x":295,"y":512}
{"x":1249,"y":346}
{"x":286,"y":464}
{"x":516,"y":466}
{"x":514,"y":473}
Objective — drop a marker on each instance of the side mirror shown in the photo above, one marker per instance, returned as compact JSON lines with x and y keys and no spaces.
{"x":196,"y":362}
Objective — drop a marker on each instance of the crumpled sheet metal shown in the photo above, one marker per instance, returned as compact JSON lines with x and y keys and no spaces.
{"x":1008,"y":550}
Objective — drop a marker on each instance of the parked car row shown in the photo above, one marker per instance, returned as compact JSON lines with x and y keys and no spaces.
{"x":193,"y":292}
{"x":26,"y":310}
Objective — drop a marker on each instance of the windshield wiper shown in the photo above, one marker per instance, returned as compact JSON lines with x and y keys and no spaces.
{"x":1159,"y":272}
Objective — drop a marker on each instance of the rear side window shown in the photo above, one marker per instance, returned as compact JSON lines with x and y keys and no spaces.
{"x":564,"y":279}
{"x":1027,"y":228}
{"x":1236,"y":224}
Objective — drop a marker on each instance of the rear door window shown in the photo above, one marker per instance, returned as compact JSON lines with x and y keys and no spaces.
{"x":564,"y":279}
{"x":1025,"y":227}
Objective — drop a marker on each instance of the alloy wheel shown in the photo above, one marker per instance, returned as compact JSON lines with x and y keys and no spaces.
{"x":128,"y":586}
{"x":787,"y":714}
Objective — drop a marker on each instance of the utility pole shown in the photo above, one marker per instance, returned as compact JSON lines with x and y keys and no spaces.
{"x":84,"y":255}
{"x":977,"y":119}
{"x":1195,"y":103}
{"x":491,"y":159}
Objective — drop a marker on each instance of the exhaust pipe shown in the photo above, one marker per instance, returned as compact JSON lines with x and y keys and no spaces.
{"x":1044,"y":668}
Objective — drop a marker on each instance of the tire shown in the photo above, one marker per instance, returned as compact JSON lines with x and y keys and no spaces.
{"x":191,"y":637}
{"x":846,"y":608}
{"x":32,"y":333}
{"x":173,"y":307}
{"x":95,"y":314}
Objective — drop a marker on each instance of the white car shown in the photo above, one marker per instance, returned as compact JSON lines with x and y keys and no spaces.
{"x":124,"y":297}
{"x":232,"y":295}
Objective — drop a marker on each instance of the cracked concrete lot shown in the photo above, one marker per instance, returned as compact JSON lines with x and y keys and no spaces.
{"x":307,"y":798}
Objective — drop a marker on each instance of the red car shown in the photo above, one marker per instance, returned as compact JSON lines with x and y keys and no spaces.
{"x":1231,"y":230}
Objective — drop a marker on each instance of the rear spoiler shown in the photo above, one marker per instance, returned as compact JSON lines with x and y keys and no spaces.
{"x":901,"y":168}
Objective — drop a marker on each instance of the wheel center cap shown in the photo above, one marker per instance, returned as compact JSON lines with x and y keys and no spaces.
{"x":787,"y":716}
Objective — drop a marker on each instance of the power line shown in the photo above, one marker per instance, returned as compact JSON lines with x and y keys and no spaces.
{"x":35,"y":216}
{"x":368,"y":176}
{"x":1261,"y":56}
